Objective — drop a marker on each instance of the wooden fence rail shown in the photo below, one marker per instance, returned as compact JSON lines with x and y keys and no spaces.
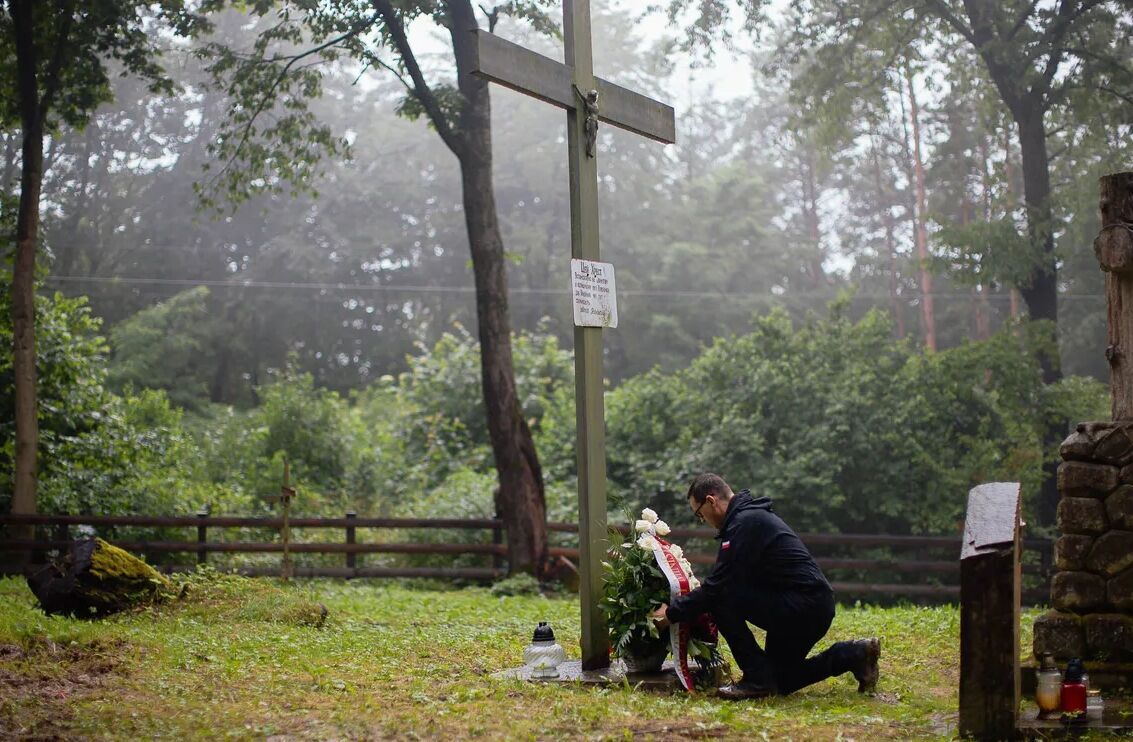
{"x":941,"y":569}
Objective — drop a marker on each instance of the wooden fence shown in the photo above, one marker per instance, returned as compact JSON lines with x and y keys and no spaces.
{"x":861,"y":565}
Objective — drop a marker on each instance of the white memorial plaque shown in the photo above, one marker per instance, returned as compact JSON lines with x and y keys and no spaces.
{"x":592,"y":291}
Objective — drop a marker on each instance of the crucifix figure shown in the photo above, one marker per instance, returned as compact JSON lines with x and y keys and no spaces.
{"x":590,"y":105}
{"x":561,"y":85}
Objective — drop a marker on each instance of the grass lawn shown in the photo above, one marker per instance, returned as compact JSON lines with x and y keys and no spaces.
{"x":243,"y":658}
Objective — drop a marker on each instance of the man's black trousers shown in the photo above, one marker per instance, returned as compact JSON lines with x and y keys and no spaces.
{"x":794,"y":622}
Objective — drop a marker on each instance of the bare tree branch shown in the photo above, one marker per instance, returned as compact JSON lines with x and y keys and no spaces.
{"x":421,"y":87}
{"x":51,"y":81}
{"x":1023,"y":18}
{"x":953,"y":20}
{"x":1056,"y":31}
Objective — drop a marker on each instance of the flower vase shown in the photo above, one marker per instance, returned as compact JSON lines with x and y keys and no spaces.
{"x":650,"y":660}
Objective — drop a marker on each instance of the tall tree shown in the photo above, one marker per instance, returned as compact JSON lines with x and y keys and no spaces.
{"x":920,"y":217}
{"x":276,"y":78}
{"x":55,"y":58}
{"x":1038,"y":57}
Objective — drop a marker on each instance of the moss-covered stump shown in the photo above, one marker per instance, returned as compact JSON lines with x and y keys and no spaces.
{"x":96,"y":578}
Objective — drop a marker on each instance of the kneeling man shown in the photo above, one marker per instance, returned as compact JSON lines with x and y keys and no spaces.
{"x":764,"y":574}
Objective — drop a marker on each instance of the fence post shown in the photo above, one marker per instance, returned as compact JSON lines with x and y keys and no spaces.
{"x":497,"y":539}
{"x":39,"y":553}
{"x":990,"y":581}
{"x":62,"y":535}
{"x":202,"y":535}
{"x":350,"y":560}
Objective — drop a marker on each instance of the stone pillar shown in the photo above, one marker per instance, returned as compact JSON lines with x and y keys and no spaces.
{"x":1092,"y":591}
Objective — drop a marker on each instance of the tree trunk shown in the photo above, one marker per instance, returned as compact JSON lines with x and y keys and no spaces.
{"x":23,"y":271}
{"x":1041,"y":294}
{"x":890,"y":248}
{"x":521,"y":501}
{"x":814,"y":271}
{"x":928,"y":315}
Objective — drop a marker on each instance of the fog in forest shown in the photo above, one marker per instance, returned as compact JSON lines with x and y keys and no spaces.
{"x":760,"y":204}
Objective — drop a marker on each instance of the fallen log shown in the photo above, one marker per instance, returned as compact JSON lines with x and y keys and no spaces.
{"x":95,"y":578}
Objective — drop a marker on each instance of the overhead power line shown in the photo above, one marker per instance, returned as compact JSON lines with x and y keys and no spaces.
{"x":425,"y":289}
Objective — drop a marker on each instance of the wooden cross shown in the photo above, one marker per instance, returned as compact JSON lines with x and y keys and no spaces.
{"x":587,"y":100}
{"x":284,"y":498}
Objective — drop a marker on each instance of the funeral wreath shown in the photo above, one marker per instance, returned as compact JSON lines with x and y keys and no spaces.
{"x":635,"y":586}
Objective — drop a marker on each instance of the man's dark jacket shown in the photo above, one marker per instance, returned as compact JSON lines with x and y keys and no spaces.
{"x":757,"y":550}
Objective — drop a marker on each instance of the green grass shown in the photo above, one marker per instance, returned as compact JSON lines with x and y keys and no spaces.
{"x":241,"y":658}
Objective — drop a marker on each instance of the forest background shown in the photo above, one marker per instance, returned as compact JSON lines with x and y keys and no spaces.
{"x":818,"y":290}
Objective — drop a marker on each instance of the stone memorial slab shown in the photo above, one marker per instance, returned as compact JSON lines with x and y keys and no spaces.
{"x":571,"y":673}
{"x":1116,"y":718}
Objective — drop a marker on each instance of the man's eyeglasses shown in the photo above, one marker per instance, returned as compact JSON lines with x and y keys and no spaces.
{"x":696,"y":512}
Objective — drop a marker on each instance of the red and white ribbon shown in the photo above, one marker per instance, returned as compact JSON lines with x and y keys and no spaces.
{"x":678,"y":585}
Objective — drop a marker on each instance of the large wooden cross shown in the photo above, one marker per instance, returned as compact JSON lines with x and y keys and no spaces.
{"x":573,"y":86}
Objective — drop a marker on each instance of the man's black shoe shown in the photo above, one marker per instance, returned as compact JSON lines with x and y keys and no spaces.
{"x":743,"y":690}
{"x":865,"y":664}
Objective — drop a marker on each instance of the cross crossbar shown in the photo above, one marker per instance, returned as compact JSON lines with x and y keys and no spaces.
{"x":528,"y":72}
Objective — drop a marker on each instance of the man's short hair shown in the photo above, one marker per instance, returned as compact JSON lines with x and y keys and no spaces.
{"x":708,"y":484}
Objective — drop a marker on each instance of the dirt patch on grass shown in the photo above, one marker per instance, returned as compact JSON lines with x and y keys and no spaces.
{"x":40,"y":682}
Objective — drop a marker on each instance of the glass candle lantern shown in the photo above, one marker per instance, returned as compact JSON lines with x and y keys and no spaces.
{"x":543,"y":655}
{"x":1048,"y":686}
{"x":1074,"y":690}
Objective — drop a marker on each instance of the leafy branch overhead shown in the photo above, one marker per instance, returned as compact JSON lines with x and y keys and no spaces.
{"x":74,"y":40}
{"x":271,"y":140}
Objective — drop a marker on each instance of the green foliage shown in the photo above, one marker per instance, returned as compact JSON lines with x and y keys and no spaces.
{"x":521,"y":583}
{"x":986,"y":252}
{"x":99,"y":452}
{"x":844,"y":427}
{"x":314,"y":430}
{"x":448,"y":426}
{"x":633,"y":588}
{"x":76,"y":43}
{"x":168,"y":346}
{"x":449,"y":102}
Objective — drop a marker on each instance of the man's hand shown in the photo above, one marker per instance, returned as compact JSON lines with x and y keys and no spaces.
{"x":661,"y":617}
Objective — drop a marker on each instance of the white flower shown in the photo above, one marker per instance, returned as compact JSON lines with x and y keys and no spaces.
{"x":649,"y":515}
{"x":646,"y":542}
{"x":661,"y":527}
{"x":675,"y":550}
{"x":643,"y":526}
{"x":693,"y":583}
{"x":686,"y":565}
